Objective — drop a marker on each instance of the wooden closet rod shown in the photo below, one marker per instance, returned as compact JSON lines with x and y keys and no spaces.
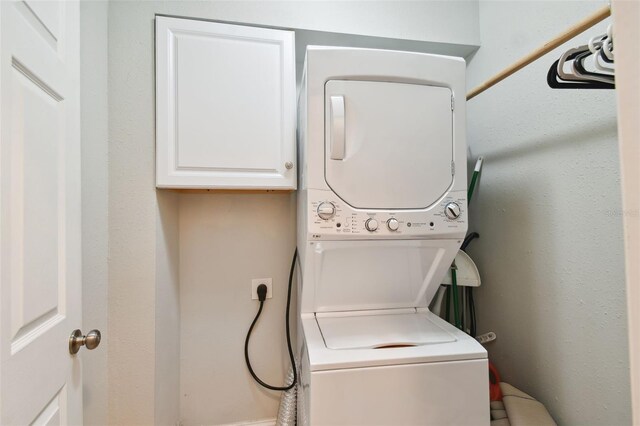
{"x":578,"y":28}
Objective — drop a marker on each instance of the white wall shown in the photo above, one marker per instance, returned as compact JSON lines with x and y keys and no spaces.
{"x":93,"y":81}
{"x":549,"y":216}
{"x":433,"y":20}
{"x":143,"y":224}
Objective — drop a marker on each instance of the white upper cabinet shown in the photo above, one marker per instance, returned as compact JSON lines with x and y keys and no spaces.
{"x":225,"y":106}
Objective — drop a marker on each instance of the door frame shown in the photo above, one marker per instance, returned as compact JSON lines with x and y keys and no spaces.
{"x":626,"y":18}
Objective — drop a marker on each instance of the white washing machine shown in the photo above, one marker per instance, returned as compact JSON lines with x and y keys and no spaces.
{"x":382,"y":211}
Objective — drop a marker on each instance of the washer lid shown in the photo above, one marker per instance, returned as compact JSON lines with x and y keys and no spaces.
{"x":380,"y":330}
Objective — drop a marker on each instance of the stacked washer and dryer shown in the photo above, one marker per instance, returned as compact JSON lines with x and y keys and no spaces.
{"x":382,"y":212}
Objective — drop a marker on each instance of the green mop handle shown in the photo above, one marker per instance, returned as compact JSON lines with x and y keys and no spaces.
{"x":474,"y":178}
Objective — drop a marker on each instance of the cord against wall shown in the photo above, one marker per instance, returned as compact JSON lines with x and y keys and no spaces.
{"x":262,"y":295}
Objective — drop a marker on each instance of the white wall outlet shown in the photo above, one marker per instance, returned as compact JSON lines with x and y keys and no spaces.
{"x":254,"y":287}
{"x":487,"y":337}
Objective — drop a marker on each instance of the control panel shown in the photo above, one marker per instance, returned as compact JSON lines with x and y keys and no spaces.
{"x":330,"y":217}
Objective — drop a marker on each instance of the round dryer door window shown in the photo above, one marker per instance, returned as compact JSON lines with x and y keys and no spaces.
{"x":388,"y":145}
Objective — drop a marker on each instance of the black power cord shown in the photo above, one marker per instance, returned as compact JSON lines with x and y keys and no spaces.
{"x":472,"y":303}
{"x":472,"y":313}
{"x":468,"y":239}
{"x":262,"y":295}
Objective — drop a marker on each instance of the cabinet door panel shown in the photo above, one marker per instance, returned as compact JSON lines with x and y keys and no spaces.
{"x":225,"y":106}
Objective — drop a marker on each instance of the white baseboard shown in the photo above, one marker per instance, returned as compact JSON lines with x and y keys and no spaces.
{"x":266,"y":422}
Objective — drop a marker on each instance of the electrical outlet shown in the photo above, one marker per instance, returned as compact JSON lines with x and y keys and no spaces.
{"x":254,"y":287}
{"x":487,"y":337}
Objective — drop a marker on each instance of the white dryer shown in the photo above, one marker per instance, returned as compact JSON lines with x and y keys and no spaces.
{"x":382,"y":212}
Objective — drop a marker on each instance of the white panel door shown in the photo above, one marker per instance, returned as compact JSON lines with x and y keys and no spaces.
{"x":388,"y":145}
{"x":40,"y":265}
{"x":226,"y":107}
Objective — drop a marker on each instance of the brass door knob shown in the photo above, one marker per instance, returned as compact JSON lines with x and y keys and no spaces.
{"x":77,"y":340}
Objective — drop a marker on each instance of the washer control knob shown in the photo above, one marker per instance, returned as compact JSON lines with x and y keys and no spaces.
{"x":452,"y":210}
{"x":393,"y":224}
{"x":371,"y":225}
{"x":326,"y":210}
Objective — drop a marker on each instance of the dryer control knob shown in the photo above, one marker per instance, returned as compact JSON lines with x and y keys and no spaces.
{"x":326,"y":210}
{"x":371,"y":225}
{"x":393,"y":224}
{"x":452,"y":210}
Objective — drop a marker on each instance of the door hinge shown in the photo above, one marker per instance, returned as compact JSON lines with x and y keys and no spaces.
{"x":453,"y":103}
{"x":453,"y":168}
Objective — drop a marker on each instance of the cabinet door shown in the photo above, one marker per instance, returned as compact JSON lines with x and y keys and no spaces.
{"x":225,"y":106}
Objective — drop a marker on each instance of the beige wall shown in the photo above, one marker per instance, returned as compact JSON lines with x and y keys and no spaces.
{"x":549,"y":215}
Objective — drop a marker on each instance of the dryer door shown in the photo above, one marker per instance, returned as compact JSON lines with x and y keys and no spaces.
{"x":388,"y":145}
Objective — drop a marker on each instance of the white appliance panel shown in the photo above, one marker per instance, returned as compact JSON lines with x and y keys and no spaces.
{"x":381,"y":331}
{"x":440,"y":393}
{"x":349,"y":223}
{"x":379,"y":137}
{"x":322,"y":358}
{"x":388,"y":145}
{"x":363,"y":275}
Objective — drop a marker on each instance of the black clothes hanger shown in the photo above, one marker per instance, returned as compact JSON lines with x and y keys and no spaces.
{"x":604,"y":57}
{"x":552,"y":81}
{"x":581,"y":71}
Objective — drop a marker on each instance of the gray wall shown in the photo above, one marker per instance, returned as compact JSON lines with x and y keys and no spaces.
{"x":225,"y":241}
{"x":133,"y":217}
{"x":93,"y":81}
{"x":548,"y":212}
{"x":146,"y":226}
